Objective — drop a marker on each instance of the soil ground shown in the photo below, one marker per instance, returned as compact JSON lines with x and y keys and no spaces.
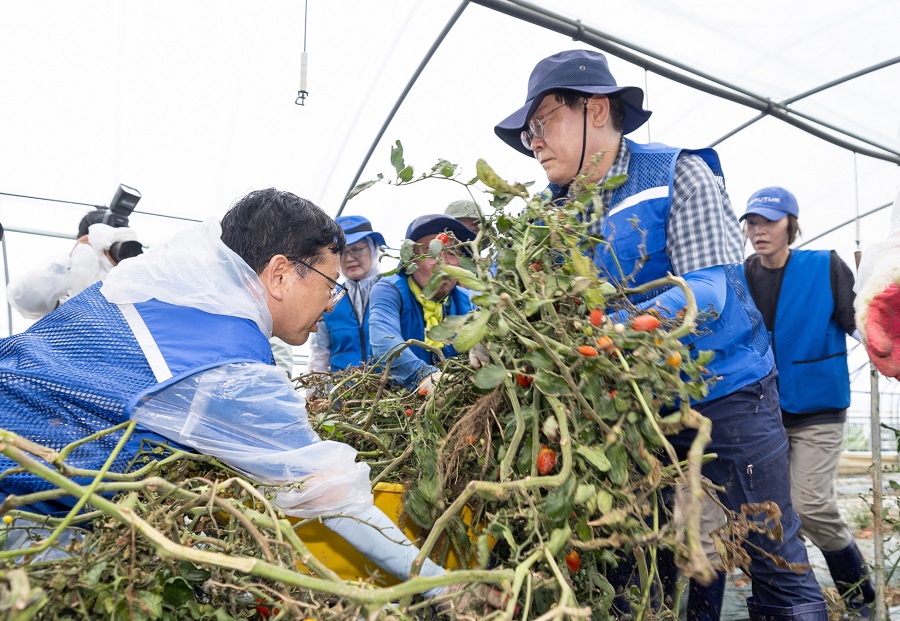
{"x":854,"y":498}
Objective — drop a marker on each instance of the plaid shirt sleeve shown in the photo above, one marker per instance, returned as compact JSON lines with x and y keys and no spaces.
{"x":703,"y":230}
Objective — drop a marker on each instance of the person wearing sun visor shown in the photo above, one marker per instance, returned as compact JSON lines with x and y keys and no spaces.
{"x":400,"y":309}
{"x":573,"y":122}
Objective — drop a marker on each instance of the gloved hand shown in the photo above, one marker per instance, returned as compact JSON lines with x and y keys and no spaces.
{"x":462,"y":601}
{"x":479,"y":356}
{"x":883,"y":331}
{"x":426,"y":386}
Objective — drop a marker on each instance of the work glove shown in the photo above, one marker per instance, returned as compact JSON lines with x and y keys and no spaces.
{"x":479,"y":356}
{"x":883,"y":331}
{"x":428,"y":383}
{"x":472,"y":603}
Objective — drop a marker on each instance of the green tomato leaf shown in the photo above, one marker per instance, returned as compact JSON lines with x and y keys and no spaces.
{"x":397,"y":157}
{"x":473,"y":332}
{"x":595,"y":456}
{"x":490,"y":376}
{"x":359,"y":187}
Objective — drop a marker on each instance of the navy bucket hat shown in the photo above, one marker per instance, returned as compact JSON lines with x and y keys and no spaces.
{"x":582,"y":71}
{"x":432,"y":224}
{"x":773,"y":204}
{"x":356,"y":228}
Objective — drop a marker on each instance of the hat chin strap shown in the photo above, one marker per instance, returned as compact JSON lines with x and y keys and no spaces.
{"x":583,"y":135}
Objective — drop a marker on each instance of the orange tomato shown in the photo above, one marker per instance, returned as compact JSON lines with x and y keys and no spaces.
{"x":587,"y":350}
{"x":546,"y":460}
{"x":645,"y":323}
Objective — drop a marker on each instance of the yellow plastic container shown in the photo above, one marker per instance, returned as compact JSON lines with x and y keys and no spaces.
{"x":345,"y":560}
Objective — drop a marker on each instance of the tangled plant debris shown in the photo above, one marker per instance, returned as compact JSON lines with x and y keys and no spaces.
{"x":540,"y":470}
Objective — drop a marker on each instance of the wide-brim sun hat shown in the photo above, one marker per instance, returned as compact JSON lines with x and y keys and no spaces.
{"x":432,"y":224}
{"x":464,"y":209}
{"x":582,"y":71}
{"x":772,"y":203}
{"x":356,"y":228}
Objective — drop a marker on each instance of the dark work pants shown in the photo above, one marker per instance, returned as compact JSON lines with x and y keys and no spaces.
{"x":752,"y":466}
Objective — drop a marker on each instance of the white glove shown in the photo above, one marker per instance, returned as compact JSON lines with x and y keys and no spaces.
{"x":479,"y":356}
{"x":426,"y":386}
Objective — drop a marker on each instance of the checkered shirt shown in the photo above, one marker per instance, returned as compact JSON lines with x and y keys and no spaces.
{"x":703,"y":230}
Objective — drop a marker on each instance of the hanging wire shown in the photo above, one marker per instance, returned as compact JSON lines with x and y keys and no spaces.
{"x":302,"y":94}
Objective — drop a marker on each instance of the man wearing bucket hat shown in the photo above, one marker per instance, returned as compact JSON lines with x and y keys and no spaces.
{"x":342,"y":340}
{"x":400,"y":311}
{"x":573,"y":122}
{"x":806,"y":299}
{"x":466,"y":212}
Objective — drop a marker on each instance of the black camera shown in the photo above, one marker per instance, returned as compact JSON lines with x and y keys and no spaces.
{"x":120,"y":251}
{"x":123,"y":203}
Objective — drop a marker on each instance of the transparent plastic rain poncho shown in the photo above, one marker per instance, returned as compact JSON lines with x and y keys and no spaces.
{"x":42,"y":289}
{"x":246,"y":414}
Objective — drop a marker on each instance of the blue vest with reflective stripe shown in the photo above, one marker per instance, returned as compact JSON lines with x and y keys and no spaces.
{"x":412,"y":320}
{"x":810,"y":347}
{"x":349,"y":340}
{"x":635,"y":226}
{"x":80,"y":369}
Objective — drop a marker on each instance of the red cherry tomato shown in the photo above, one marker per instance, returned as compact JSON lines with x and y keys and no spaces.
{"x":443,"y":238}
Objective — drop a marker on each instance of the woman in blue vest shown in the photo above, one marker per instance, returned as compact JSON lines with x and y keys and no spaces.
{"x":806,"y":299}
{"x":342,"y":340}
{"x":400,"y":312}
{"x":573,"y":122}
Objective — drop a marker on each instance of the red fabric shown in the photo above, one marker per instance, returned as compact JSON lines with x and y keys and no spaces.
{"x":883,"y":331}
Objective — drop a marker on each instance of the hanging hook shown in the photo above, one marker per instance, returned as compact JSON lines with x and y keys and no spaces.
{"x":302,"y":94}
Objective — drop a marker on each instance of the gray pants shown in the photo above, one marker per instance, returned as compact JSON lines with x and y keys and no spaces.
{"x":815,"y":451}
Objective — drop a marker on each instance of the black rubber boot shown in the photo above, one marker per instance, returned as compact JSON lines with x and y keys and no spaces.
{"x":851,"y":577}
{"x":705,"y":602}
{"x":815,"y":611}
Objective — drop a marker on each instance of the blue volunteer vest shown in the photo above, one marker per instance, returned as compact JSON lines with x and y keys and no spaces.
{"x":412,"y":321}
{"x":636,"y":225}
{"x":810,"y":347}
{"x":81,"y":369}
{"x":348,"y":337}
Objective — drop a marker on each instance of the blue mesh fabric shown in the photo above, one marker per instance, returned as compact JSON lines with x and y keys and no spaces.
{"x":759,"y":336}
{"x":68,"y":376}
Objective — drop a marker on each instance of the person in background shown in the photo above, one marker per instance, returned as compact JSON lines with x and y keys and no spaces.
{"x":177,"y":341}
{"x":99,"y":247}
{"x":573,"y":122}
{"x":466,"y":212}
{"x":342,"y":339}
{"x":400,"y":312}
{"x":806,"y":300}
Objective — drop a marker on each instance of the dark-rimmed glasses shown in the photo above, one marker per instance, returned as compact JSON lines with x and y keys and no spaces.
{"x":535,"y":127}
{"x":337,"y":291}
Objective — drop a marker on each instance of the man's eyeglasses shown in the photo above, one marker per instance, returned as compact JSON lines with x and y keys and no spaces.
{"x":535,"y":127}
{"x":337,"y":291}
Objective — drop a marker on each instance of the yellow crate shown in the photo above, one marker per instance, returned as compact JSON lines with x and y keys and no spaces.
{"x":345,"y":560}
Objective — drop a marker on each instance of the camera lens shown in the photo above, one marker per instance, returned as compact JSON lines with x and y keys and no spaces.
{"x":120,"y":251}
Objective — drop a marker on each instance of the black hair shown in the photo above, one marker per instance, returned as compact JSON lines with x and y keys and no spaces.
{"x":92,"y":217}
{"x":793,"y":229}
{"x":268,"y":222}
{"x":574,"y":99}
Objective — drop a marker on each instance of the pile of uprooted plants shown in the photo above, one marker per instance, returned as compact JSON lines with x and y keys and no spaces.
{"x":556,"y":447}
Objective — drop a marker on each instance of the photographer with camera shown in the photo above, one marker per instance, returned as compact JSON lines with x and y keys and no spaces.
{"x":104,"y":239}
